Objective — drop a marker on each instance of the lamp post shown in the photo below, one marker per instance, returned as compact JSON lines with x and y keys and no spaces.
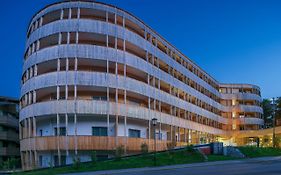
{"x":273,"y":123}
{"x":154,"y":123}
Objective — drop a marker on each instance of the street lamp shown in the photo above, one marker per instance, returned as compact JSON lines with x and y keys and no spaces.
{"x":273,"y":123}
{"x":154,"y":123}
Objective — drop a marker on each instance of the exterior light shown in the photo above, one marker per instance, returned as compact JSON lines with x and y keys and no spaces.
{"x":154,"y":123}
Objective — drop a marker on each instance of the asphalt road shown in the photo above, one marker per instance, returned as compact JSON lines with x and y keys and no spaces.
{"x":260,"y":166}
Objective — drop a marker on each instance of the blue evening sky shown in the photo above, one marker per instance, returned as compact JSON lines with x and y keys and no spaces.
{"x":235,"y":41}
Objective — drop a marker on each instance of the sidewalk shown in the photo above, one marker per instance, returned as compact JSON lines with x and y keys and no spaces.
{"x":169,"y":167}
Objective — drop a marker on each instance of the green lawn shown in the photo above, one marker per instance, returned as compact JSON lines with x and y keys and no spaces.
{"x":166,"y":158}
{"x":252,"y":152}
{"x":220,"y":158}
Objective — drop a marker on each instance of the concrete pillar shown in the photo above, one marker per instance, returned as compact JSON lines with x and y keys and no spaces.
{"x":34,"y":126}
{"x":185,"y":138}
{"x":125,"y":100}
{"x":29,"y":128}
{"x":171,"y":131}
{"x":179,"y":134}
{"x":66,"y":133}
{"x":117,"y":106}
{"x":58,"y":138}
{"x":69,"y":13}
{"x":75,"y":134}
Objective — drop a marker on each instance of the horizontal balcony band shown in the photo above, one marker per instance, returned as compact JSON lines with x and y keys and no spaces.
{"x":232,"y":85}
{"x":244,"y":108}
{"x":258,"y":133}
{"x":9,"y":136}
{"x":9,"y":151}
{"x":241,"y":96}
{"x":248,"y":121}
{"x":8,"y":121}
{"x":52,"y":143}
{"x":44,"y":109}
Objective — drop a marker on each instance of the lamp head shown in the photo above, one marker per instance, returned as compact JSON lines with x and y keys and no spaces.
{"x":154,"y":121}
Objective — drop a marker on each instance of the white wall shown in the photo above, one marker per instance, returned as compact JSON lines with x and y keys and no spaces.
{"x":85,"y":124}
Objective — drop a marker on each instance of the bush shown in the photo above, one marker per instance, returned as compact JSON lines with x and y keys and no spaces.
{"x":76,"y":162}
{"x":10,"y":164}
{"x":120,"y":150}
{"x":171,"y":145}
{"x":50,"y":164}
{"x":94,"y":157}
{"x":189,"y":148}
{"x":144,"y":148}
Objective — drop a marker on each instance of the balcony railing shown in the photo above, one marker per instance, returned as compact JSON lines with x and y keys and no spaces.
{"x":91,"y":143}
{"x":9,"y":151}
{"x":8,"y":120}
{"x":9,"y":135}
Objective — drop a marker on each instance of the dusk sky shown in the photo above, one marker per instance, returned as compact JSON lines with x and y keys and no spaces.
{"x":235,"y":41}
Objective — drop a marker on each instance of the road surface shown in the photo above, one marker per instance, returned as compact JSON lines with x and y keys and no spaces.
{"x":257,"y":166}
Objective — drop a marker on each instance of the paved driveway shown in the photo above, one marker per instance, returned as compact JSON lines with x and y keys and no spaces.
{"x":258,"y":166}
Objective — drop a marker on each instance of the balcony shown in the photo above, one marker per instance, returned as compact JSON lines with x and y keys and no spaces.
{"x":9,"y":136}
{"x":50,"y":143}
{"x":8,"y":120}
{"x":9,"y":151}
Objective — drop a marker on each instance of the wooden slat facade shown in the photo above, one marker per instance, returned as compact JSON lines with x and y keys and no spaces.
{"x":48,"y":143}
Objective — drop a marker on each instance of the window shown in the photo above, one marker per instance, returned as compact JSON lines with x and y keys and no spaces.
{"x":62,"y":131}
{"x":99,"y":131}
{"x":134,"y":133}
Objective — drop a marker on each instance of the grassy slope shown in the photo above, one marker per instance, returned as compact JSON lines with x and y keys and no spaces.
{"x":252,"y":152}
{"x":220,"y":158}
{"x":175,"y":157}
{"x":166,"y":158}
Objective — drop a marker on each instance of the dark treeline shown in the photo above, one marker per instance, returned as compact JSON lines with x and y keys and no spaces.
{"x":270,"y":108}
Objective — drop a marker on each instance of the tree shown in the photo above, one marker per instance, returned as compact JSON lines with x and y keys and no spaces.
{"x":278,"y":108}
{"x":267,"y":112}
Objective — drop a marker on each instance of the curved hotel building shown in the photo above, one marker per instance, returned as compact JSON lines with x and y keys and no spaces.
{"x":94,"y":76}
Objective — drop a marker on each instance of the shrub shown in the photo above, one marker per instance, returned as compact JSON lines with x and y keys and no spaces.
{"x":50,"y":164}
{"x":189,"y":148}
{"x":171,"y":145}
{"x":120,"y":150}
{"x":76,"y":162}
{"x":94,"y":157}
{"x":10,"y":164}
{"x":144,"y":148}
